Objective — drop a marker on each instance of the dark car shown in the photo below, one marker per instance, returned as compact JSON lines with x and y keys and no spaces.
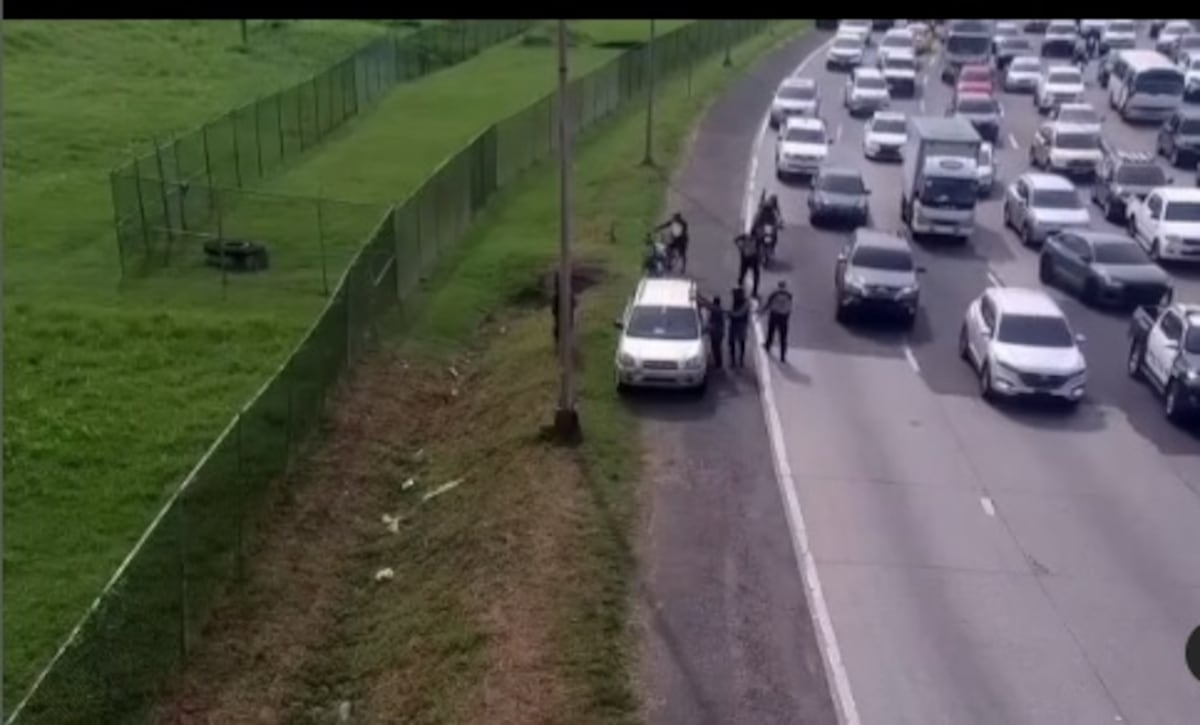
{"x":1009,"y":47}
{"x":839,"y":194}
{"x":882,"y":24}
{"x":876,"y":273}
{"x":1103,"y":268}
{"x":1036,"y":26}
{"x":827,"y":24}
{"x":1122,"y":177}
{"x":983,"y":111}
{"x":1179,"y":137}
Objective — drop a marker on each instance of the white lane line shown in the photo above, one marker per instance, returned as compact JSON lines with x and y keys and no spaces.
{"x":922,"y":105}
{"x":1012,"y":140}
{"x":995,"y":279}
{"x":912,"y":360}
{"x":839,"y":679}
{"x":837,"y":133}
{"x":989,"y":508}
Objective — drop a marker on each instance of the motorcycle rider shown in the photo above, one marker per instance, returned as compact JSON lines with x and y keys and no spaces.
{"x":768,"y":213}
{"x":679,"y":238}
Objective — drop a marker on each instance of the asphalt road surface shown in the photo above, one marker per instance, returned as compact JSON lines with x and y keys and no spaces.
{"x":958,"y":562}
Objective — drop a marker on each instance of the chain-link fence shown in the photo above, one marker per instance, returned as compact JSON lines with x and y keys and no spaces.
{"x":157,"y":192}
{"x":146,"y":620}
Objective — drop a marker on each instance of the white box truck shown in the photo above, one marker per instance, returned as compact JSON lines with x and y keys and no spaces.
{"x":941,"y":161}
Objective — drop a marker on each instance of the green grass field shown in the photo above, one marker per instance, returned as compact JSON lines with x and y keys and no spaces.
{"x":112,"y":394}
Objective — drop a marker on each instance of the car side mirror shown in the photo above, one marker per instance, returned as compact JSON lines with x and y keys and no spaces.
{"x":1080,"y":337}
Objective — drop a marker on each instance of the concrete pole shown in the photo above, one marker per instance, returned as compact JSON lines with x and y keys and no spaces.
{"x":566,"y":418}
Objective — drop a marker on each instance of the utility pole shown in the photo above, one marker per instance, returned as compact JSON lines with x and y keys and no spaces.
{"x":566,"y":418}
{"x":728,"y":45}
{"x":648,"y":159}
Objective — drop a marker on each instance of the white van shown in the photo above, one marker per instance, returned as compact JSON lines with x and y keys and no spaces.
{"x":1144,"y":85}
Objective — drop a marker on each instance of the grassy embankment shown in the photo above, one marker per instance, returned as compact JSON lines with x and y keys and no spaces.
{"x":511,"y":592}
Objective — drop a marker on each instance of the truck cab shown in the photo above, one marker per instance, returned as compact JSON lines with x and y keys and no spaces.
{"x":1164,"y":350}
{"x":941,"y":177}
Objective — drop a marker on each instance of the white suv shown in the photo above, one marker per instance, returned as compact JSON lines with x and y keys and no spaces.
{"x":1037,"y":205}
{"x":1019,"y":342}
{"x":1167,"y":223}
{"x":801,"y":147}
{"x":662,"y":337}
{"x":1058,"y":84}
{"x":866,"y":91}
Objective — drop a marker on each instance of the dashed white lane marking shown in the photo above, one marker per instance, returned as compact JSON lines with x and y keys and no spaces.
{"x":912,"y":360}
{"x":839,"y":679}
{"x":995,"y":279}
{"x":922,"y":105}
{"x":989,"y":508}
{"x":837,"y":133}
{"x":1012,"y":140}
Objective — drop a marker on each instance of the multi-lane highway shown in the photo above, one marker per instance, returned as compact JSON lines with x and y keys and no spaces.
{"x":971,"y":563}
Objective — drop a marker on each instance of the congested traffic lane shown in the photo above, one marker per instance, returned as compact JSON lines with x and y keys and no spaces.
{"x":980,"y":563}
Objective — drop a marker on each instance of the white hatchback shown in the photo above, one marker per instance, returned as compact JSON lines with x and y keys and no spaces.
{"x":662,"y":337}
{"x":1020,"y":344}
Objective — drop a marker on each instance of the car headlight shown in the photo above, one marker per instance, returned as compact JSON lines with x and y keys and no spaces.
{"x":694,"y":363}
{"x":626,"y":360}
{"x":872,"y":147}
{"x":909,"y":291}
{"x":1110,"y":282}
{"x":1003,"y":367}
{"x":855,"y":283}
{"x":1173,"y":240}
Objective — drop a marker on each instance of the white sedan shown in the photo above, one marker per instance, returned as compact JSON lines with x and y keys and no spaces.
{"x":884,"y":135}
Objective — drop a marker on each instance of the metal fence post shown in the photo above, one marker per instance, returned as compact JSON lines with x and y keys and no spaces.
{"x":279,"y":123}
{"x":112,"y":180}
{"x":300,"y":115}
{"x":182,"y":188}
{"x":317,"y":108}
{"x":208,"y":169}
{"x":237,"y":153}
{"x":321,"y":245}
{"x":258,"y":136}
{"x":162,"y":188}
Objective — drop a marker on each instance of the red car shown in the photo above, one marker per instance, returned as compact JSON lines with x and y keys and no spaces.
{"x":975,"y":79}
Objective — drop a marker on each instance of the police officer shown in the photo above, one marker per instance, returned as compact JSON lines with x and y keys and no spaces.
{"x":715,"y":327}
{"x":778,"y":309}
{"x":749,"y":260}
{"x":739,"y":325}
{"x":679,"y":238}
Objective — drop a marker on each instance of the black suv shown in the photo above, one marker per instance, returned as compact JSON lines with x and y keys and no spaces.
{"x":1122,"y":176}
{"x":1179,"y":137}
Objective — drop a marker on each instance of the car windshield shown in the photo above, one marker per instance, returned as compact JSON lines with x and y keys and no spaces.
{"x":841,"y":183}
{"x":968,"y":44}
{"x":1056,"y":199}
{"x":1165,"y":81}
{"x":1182,"y":211}
{"x":1191,"y":340}
{"x":950,"y":192}
{"x":1007,"y":29}
{"x":1189,"y":126}
{"x":870,"y":82}
{"x":1064,"y":77}
{"x":889,"y":125}
{"x":1066,"y":28}
{"x":1035,"y":331}
{"x":1179,"y":27}
{"x":798,"y":93}
{"x":1119,"y":253}
{"x":663,"y":323}
{"x":1077,"y":141}
{"x":1026,"y":65}
{"x":1122,"y":26}
{"x":1015,"y":44}
{"x":847,"y":44}
{"x":1141,"y":175}
{"x":900,"y":63}
{"x":896,"y":41}
{"x":1078,"y":115}
{"x":805,"y":135}
{"x":976,"y":105}
{"x":891,"y":260}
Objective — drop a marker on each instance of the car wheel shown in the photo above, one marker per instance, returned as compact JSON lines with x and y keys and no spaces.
{"x":985,"y":383}
{"x":839,"y":311}
{"x":1027,"y":236}
{"x":963,"y":351}
{"x":1171,"y":406}
{"x":1133,"y":366}
{"x":1091,"y":294}
{"x":1046,"y":271}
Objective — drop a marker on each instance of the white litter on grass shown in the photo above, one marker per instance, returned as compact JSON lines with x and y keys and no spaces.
{"x":408,"y":484}
{"x":419,"y":455}
{"x":392,"y":523}
{"x":453,"y":372}
{"x":385,"y":574}
{"x":441,"y":489}
{"x":344,"y":711}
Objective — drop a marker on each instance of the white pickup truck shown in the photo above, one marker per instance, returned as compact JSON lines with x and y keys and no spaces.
{"x":1164,"y":349}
